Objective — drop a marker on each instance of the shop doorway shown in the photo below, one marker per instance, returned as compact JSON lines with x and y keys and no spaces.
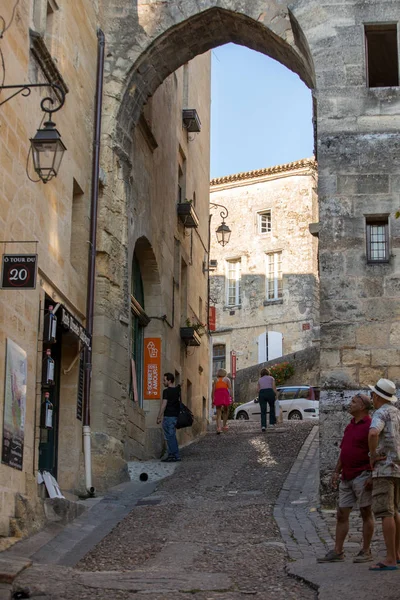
{"x":48,"y":444}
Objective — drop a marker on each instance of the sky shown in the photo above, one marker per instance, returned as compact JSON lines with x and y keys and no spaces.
{"x":260,"y":112}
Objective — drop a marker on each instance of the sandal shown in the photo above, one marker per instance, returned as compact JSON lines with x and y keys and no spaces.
{"x":225,"y":428}
{"x":380,"y":566}
{"x":218,"y":430}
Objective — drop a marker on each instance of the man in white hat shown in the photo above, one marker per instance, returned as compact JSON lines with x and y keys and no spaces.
{"x":384,"y":452}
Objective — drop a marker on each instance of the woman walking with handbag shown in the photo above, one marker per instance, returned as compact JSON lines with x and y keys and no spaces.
{"x":266,"y":395}
{"x":221,"y":398}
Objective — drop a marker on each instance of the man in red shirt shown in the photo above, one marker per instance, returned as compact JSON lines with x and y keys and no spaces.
{"x":356,"y":483}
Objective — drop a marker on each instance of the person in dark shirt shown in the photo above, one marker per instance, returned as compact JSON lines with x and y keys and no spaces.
{"x":168,"y":415}
{"x":356,"y":483}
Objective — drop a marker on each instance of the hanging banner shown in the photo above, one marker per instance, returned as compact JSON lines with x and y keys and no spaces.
{"x":233,"y":364}
{"x":14,"y":406}
{"x":19,"y":271}
{"x":212,"y":318}
{"x":152,"y":368}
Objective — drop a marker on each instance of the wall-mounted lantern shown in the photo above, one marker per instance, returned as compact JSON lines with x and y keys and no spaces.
{"x":223,"y":231}
{"x":47,"y":147}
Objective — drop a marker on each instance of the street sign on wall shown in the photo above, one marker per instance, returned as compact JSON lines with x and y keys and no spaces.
{"x":152,"y":368}
{"x":19,"y":271}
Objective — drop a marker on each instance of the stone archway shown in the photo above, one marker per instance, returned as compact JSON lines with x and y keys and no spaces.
{"x":184,"y":34}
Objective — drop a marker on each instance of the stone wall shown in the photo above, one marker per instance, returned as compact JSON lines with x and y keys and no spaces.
{"x":138,"y":217}
{"x":305,"y":363}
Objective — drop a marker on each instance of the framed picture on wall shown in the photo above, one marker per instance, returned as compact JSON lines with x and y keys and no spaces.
{"x":14,"y":406}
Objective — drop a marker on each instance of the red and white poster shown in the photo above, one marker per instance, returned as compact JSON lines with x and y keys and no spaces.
{"x":212,"y":318}
{"x":152,"y":368}
{"x":233,"y":364}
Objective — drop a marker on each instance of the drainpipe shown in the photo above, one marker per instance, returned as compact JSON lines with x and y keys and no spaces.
{"x":92,"y":260}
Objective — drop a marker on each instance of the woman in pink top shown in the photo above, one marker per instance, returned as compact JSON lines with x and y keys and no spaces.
{"x":266,"y":395}
{"x":221,"y":398}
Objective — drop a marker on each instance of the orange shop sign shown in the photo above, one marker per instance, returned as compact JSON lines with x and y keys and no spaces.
{"x":152,"y":368}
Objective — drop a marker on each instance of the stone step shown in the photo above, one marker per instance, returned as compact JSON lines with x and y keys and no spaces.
{"x":155,"y":581}
{"x":11,"y":567}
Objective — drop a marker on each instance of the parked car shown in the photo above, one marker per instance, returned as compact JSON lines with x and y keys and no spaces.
{"x":297,"y":402}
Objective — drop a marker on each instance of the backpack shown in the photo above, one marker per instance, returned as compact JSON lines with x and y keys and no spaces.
{"x":185,"y":417}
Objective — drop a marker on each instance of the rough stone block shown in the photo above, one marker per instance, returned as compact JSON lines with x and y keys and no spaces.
{"x":363,"y":184}
{"x":369,"y":375}
{"x":373,"y":334}
{"x":385,"y":357}
{"x":356,"y":357}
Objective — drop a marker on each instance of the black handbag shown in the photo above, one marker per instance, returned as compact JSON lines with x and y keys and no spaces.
{"x":185,"y":417}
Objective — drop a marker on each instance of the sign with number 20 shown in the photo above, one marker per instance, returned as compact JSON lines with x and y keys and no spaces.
{"x":19,"y":271}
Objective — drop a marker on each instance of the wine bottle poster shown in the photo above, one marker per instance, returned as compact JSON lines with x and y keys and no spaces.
{"x":14,"y":406}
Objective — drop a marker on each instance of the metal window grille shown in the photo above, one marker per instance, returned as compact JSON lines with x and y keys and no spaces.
{"x":264,"y":222}
{"x":274,"y":276}
{"x":81,"y":382}
{"x":219,"y":358}
{"x":377,"y":241}
{"x":234,"y":291}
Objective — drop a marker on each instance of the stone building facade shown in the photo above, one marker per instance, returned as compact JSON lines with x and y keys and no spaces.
{"x":44,"y":42}
{"x":265,"y":286}
{"x":356,"y":95}
{"x":147,"y":263}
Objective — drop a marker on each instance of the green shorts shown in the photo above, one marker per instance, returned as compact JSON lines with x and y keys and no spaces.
{"x":385,"y":496}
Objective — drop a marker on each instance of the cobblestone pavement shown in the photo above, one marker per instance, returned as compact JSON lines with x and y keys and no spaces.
{"x":209,"y":529}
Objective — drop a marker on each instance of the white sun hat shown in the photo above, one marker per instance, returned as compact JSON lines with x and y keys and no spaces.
{"x":385,"y":389}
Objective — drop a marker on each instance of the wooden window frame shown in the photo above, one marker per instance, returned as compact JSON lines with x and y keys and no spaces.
{"x":380,"y":29}
{"x":260,"y":215}
{"x":237,"y":281}
{"x":277,"y":280}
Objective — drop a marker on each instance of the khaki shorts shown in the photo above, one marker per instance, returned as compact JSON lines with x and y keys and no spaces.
{"x":385,"y":496}
{"x":352,"y":492}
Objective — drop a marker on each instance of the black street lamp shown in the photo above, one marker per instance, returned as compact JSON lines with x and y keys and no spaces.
{"x":223,"y":234}
{"x":47,"y":151}
{"x":223,"y":231}
{"x":47,"y":147}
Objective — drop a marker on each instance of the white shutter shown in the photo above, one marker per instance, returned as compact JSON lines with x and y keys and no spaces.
{"x":262,"y":348}
{"x":274,"y":345}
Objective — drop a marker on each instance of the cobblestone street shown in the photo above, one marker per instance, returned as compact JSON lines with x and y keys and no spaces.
{"x":209,"y":529}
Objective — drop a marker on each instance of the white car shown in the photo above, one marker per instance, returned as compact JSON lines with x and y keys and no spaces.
{"x":297,"y":402}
